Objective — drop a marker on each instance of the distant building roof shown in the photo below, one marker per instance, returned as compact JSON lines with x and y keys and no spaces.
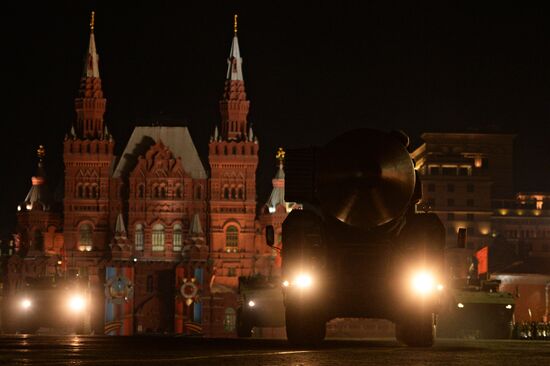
{"x":531,"y":265}
{"x":177,"y":139}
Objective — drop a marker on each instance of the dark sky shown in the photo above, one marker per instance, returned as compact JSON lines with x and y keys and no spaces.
{"x":312,"y":70}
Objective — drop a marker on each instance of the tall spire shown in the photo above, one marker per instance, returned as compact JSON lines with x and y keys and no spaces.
{"x":91,"y":68}
{"x":39,"y":196}
{"x":234,"y":105}
{"x":90,"y":104}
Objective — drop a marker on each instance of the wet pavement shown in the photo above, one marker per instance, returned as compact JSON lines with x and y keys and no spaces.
{"x":120,"y":351}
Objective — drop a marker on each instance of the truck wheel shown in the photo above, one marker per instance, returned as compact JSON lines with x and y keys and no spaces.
{"x":416,"y":332}
{"x":244,"y":328}
{"x":303,"y":327}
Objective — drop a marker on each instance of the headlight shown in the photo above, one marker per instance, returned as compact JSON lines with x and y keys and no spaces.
{"x":77,"y":303}
{"x":303,"y":280}
{"x":424,"y":283}
{"x":251,"y":303}
{"x":25,"y":304}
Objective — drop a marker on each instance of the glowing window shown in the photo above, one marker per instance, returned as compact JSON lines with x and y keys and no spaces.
{"x":158,"y":238}
{"x":229,"y":320}
{"x":138,"y":237}
{"x":85,"y":237}
{"x":232,"y":237}
{"x":177,"y":238}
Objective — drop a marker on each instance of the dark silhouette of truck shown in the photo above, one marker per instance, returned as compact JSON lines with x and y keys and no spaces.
{"x":359,"y":248}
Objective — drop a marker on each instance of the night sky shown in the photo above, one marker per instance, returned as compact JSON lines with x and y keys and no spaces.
{"x":312,"y":70}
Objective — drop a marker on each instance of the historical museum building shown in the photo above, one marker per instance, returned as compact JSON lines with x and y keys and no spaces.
{"x":157,"y":239}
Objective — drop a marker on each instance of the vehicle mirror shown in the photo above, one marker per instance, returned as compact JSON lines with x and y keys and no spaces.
{"x":270,"y":235}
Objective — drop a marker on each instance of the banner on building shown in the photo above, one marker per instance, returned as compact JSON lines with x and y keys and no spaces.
{"x":119,"y":301}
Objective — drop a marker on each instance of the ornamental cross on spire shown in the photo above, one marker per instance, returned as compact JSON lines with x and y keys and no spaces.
{"x":235,"y":24}
{"x":280,"y":154}
{"x":92,"y":21}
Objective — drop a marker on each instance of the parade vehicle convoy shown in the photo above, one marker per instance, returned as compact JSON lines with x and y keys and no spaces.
{"x":358,"y":248}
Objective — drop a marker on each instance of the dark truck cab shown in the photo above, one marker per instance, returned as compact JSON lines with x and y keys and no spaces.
{"x":358,"y":248}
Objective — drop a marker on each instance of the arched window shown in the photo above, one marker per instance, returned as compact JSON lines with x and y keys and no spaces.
{"x":225,"y":150}
{"x":229,"y":320}
{"x":80,"y":191}
{"x":158,"y":238}
{"x":85,"y":237}
{"x":231,"y":237}
{"x":141,"y":191}
{"x":240,"y":193}
{"x":94,"y":191}
{"x":162,"y":192}
{"x":87,"y":191}
{"x":233,"y":193}
{"x":156,"y":192}
{"x":178,"y":191}
{"x":138,"y":237}
{"x":226,"y":193}
{"x":177,"y":238}
{"x":234,"y":150}
{"x":198,"y":192}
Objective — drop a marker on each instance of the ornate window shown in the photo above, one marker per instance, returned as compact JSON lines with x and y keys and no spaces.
{"x":240,"y":193}
{"x":162,"y":191}
{"x":156,"y":191}
{"x":80,"y":191}
{"x":226,"y":193}
{"x":178,"y":191}
{"x":177,"y":238}
{"x":87,"y":191}
{"x":138,"y":237}
{"x":94,"y":191}
{"x":233,"y":193}
{"x":231,"y":237}
{"x":229,"y":320}
{"x":158,"y":238}
{"x":85,"y":237}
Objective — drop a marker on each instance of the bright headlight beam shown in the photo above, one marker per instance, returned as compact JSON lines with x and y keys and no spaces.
{"x":508,"y":306}
{"x":76,"y":303}
{"x":303,"y":281}
{"x":26,"y":304}
{"x":460,"y":305}
{"x":423,"y":283}
{"x":251,"y":303}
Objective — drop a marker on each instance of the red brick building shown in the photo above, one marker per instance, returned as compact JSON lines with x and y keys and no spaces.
{"x":158,"y":238}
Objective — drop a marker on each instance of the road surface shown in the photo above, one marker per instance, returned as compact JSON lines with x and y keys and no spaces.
{"x":121,"y":351}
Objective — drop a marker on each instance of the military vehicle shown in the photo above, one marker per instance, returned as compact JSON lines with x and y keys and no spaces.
{"x":56,"y":306}
{"x":261,"y":304}
{"x":477,"y":312}
{"x":358,"y":248}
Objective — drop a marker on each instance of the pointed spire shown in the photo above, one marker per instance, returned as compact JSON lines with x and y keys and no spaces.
{"x":216,"y":133}
{"x":277,"y":196}
{"x":39,"y":196}
{"x":234,"y":105}
{"x":196,"y":227}
{"x":90,"y":104}
{"x":91,"y":68}
{"x":120,"y":228}
{"x":234,"y":62}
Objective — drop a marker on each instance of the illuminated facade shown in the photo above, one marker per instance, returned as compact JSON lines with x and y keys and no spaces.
{"x":159,"y":239}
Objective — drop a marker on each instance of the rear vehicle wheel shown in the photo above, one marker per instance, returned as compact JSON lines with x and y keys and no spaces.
{"x":416,"y":332}
{"x":303,"y":327}
{"x":244,"y":326}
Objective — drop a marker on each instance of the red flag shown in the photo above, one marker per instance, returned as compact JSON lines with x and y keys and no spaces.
{"x":482,"y":256}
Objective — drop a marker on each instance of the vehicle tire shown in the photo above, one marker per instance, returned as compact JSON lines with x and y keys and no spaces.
{"x":416,"y":332}
{"x":303,"y":327}
{"x":244,"y":327}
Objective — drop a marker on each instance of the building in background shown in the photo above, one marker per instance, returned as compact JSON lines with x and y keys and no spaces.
{"x":157,"y":238}
{"x":467,"y":180}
